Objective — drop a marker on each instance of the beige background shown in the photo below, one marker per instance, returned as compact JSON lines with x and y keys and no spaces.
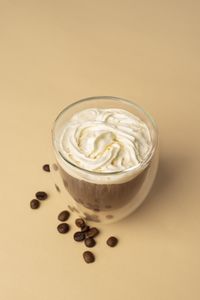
{"x":55,"y":52}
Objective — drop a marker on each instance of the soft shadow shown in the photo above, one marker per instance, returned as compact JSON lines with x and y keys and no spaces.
{"x":168,"y":173}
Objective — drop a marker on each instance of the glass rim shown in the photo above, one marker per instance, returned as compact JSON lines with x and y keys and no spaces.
{"x":145,"y":161}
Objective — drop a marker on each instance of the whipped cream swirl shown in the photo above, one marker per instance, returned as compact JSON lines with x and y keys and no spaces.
{"x":105,"y":140}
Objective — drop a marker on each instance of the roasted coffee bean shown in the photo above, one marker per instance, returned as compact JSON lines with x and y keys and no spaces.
{"x":112,"y":241}
{"x":34,"y":204}
{"x":46,"y":168}
{"x":63,"y":216}
{"x":41,"y":195}
{"x":90,"y":242}
{"x":63,"y":228}
{"x":92,"y":232}
{"x":80,"y":222}
{"x":79,"y":236}
{"x":85,"y":228}
{"x":88,"y":257}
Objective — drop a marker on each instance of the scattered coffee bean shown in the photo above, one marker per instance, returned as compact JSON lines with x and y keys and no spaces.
{"x":63,"y":228}
{"x":80,"y":222}
{"x":79,"y":236}
{"x":46,"y":168}
{"x":88,"y":257}
{"x":90,"y":242}
{"x":112,"y":241}
{"x":63,"y":216}
{"x":92,"y":232}
{"x":34,"y":204}
{"x":41,"y":195}
{"x":85,"y":228}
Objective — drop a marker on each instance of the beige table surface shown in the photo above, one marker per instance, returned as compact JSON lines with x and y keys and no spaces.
{"x":55,"y":52}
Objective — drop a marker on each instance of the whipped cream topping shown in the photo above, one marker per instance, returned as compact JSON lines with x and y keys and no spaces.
{"x":105,"y":140}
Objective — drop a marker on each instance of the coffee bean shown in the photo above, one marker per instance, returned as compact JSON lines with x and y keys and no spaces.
{"x":80,"y":222}
{"x":90,"y":242}
{"x":92,"y":232}
{"x":63,"y":216}
{"x":112,"y":241}
{"x":41,"y":195}
{"x":46,"y":168}
{"x":85,"y":228}
{"x":88,"y":257}
{"x":34,"y":204}
{"x":79,"y":236}
{"x":63,"y":227}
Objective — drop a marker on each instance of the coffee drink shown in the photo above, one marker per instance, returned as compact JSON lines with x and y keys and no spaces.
{"x":101,"y":156}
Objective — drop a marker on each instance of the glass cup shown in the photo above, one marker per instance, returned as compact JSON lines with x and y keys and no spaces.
{"x":92,"y":195}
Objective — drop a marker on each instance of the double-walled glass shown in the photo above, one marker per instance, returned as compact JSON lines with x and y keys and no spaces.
{"x":103,"y":197}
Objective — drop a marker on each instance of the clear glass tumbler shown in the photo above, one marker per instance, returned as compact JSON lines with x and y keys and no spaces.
{"x":92,"y":195}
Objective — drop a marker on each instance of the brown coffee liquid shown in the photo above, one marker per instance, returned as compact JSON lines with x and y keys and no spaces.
{"x":102,"y":197}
